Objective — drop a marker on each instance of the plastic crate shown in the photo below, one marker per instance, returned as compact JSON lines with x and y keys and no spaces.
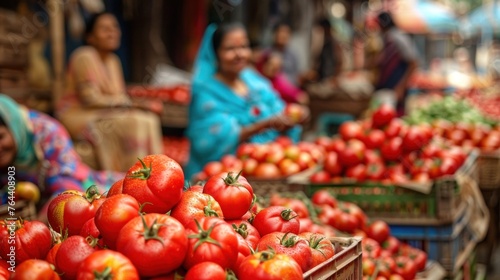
{"x":23,"y":208}
{"x":450,"y":245}
{"x":345,"y":265}
{"x":489,"y":167}
{"x":265,"y":188}
{"x":402,"y":205}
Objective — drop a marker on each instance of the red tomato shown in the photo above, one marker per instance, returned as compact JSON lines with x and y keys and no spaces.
{"x":289,"y":244}
{"x":396,"y":277}
{"x":350,"y":130}
{"x":378,"y":231}
{"x":368,"y":266}
{"x":297,"y":206}
{"x":448,"y":166}
{"x":244,"y":150}
{"x":321,"y":248}
{"x":156,"y":179}
{"x":353,"y":154}
{"x":114,"y":213}
{"x":336,"y":145}
{"x":320,"y":177}
{"x":206,"y":271}
{"x":4,"y":269}
{"x":305,"y":160}
{"x":247,"y":231}
{"x":393,"y":149}
{"x":357,"y":172}
{"x":259,"y":152}
{"x":267,"y":170}
{"x":90,"y":229}
{"x":346,"y":222}
{"x":371,"y":248}
{"x":386,"y":266}
{"x":231,"y":164}
{"x":194,"y":205}
{"x":116,"y":188}
{"x":275,"y":154}
{"x":323,"y":141}
{"x":71,"y":209}
{"x":391,"y":244}
{"x":51,"y":256}
{"x":305,"y":225}
{"x":419,"y":257}
{"x":355,"y":211}
{"x":405,"y":267}
{"x":249,"y":166}
{"x":36,"y":270}
{"x":149,"y":242}
{"x":234,"y":194}
{"x":72,"y":252}
{"x":374,"y":139}
{"x":394,"y":128}
{"x":211,"y":239}
{"x":324,"y":197}
{"x":288,"y":167}
{"x":269,"y":265}
{"x":22,"y":240}
{"x":283,"y":141}
{"x":328,"y":215}
{"x":276,"y":219}
{"x":383,"y":115}
{"x":213,"y":168}
{"x":106,"y":264}
{"x":375,"y":171}
{"x":294,"y":112}
{"x":414,"y":139}
{"x":244,"y":251}
{"x":332,"y":164}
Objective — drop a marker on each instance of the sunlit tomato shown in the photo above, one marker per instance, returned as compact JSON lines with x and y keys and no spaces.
{"x":105,"y":264}
{"x":36,"y":270}
{"x":267,"y":170}
{"x":276,"y":219}
{"x":289,"y":244}
{"x":269,"y":265}
{"x":383,"y":115}
{"x":374,"y":139}
{"x":212,"y":168}
{"x":353,"y":154}
{"x":350,"y":130}
{"x":321,"y":248}
{"x":288,"y":167}
{"x":332,"y":164}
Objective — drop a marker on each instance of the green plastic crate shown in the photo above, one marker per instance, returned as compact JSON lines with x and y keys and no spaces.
{"x":400,"y":205}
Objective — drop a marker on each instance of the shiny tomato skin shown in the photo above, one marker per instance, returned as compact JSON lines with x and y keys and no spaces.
{"x":350,"y":130}
{"x":194,"y":205}
{"x":153,"y":256}
{"x":206,"y":271}
{"x":269,"y":266}
{"x":244,"y":251}
{"x":383,"y":115}
{"x":114,"y":213}
{"x":35,"y":269}
{"x":32,"y":240}
{"x":276,"y":219}
{"x":120,"y":266}
{"x":332,"y":164}
{"x":374,"y":139}
{"x":357,"y":172}
{"x":323,"y":197}
{"x":157,"y":180}
{"x":378,"y":231}
{"x":233,"y":193}
{"x":72,"y":252}
{"x":353,"y":154}
{"x":405,"y":267}
{"x":320,"y":177}
{"x":115,"y":189}
{"x":90,"y":229}
{"x":247,"y":231}
{"x":321,"y":248}
{"x":290,"y":244}
{"x":393,"y":149}
{"x":224,"y":253}
{"x":71,"y":209}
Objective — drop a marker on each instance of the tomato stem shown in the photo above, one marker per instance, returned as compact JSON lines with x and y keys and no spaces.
{"x":104,"y":275}
{"x":92,"y":241}
{"x":92,"y":193}
{"x":266,"y":255}
{"x":241,"y":230}
{"x":143,"y":173}
{"x":286,"y":214}
{"x":288,"y":241}
{"x":208,"y":211}
{"x":204,"y":236}
{"x":230,"y":180}
{"x":151,"y":232}
{"x":230,"y":275}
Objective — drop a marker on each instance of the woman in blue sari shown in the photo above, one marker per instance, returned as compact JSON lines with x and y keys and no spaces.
{"x":231,"y":103}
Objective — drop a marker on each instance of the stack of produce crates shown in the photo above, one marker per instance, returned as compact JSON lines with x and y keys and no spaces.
{"x":437,"y":222}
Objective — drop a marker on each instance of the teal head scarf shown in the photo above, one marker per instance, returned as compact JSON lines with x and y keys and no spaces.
{"x":16,"y":119}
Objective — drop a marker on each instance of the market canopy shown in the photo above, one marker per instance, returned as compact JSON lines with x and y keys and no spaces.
{"x":485,"y":19}
{"x":422,"y":16}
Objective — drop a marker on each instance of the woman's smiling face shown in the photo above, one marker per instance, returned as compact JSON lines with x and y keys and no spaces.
{"x":8,"y":148}
{"x":234,"y":52}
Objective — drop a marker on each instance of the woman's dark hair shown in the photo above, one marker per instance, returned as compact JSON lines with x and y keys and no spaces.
{"x":385,"y":20}
{"x":221,"y":31}
{"x":91,"y":23}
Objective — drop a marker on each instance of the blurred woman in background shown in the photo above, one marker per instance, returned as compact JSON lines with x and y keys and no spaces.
{"x":95,"y":106}
{"x":231,"y":103}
